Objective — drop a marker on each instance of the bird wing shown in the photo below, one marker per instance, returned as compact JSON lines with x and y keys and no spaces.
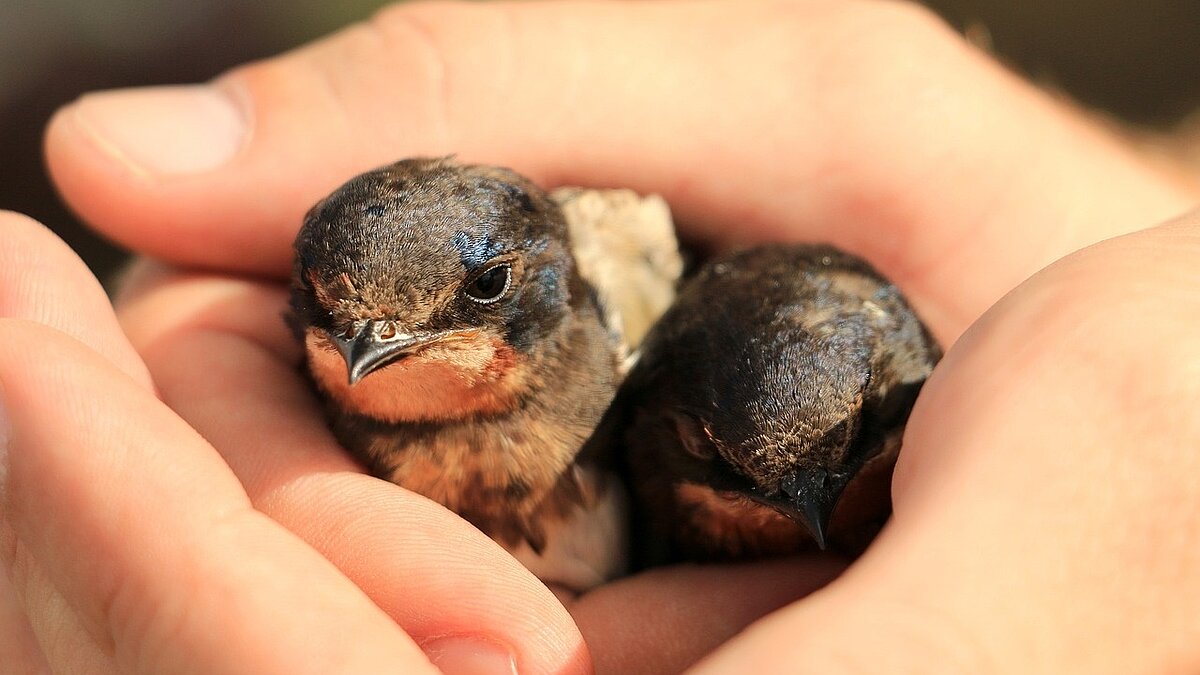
{"x":626,"y":249}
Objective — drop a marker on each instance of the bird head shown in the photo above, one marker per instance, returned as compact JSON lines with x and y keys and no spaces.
{"x":776,"y":405}
{"x":445,"y":276}
{"x":782,"y":427}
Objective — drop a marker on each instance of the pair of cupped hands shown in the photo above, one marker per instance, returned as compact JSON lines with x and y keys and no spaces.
{"x":173,"y":502}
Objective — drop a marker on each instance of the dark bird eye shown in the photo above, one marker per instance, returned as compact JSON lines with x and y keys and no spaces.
{"x":693,"y":436}
{"x":491,"y":285}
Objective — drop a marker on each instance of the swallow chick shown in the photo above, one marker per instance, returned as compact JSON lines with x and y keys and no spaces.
{"x":461,"y":354}
{"x":765,"y":413}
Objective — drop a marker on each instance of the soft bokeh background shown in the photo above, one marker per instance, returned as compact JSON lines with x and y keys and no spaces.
{"x":1138,"y":60}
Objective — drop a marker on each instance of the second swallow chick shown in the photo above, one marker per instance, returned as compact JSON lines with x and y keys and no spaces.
{"x":765,"y":412}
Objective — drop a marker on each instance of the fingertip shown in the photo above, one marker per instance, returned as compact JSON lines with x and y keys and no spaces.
{"x":160,"y":132}
{"x":80,"y":171}
{"x":164,"y":171}
{"x":468,"y":655}
{"x":44,"y":281}
{"x":99,"y":188}
{"x":421,"y":554}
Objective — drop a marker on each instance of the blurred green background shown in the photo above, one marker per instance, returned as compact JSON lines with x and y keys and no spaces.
{"x":1138,"y":60}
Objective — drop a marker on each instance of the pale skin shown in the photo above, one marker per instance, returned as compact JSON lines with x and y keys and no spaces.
{"x":1047,"y":506}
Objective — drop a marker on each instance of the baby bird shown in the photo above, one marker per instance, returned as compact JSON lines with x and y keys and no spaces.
{"x":765,"y":413}
{"x":462,"y":354}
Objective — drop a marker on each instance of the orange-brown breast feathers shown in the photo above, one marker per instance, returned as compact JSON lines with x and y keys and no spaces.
{"x":475,"y":372}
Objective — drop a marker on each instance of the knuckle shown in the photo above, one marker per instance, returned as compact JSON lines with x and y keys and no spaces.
{"x":461,"y":52}
{"x":897,"y":40}
{"x":402,"y":74}
{"x":908,"y":18}
{"x":865,"y":24}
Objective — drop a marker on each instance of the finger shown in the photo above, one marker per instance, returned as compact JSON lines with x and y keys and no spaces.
{"x":42,"y":280}
{"x":664,"y":620}
{"x":178,"y":574}
{"x":1046,"y":507}
{"x":222,"y":358}
{"x":866,"y":124}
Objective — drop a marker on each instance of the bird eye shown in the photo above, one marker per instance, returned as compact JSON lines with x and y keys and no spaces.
{"x":491,"y":285}
{"x":694,"y":436}
{"x":353,"y":329}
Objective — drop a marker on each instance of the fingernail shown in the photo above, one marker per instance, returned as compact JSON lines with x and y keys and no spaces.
{"x":164,"y":131}
{"x":459,"y":655}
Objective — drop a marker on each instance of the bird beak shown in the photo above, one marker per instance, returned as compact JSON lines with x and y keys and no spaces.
{"x":368,"y":351}
{"x":809,"y":497}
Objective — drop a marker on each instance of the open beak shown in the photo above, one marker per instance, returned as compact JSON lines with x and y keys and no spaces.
{"x":369,"y":351}
{"x":809,"y":497}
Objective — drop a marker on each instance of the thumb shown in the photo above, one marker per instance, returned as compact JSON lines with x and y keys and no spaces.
{"x":1046,"y":507}
{"x":869,"y":125}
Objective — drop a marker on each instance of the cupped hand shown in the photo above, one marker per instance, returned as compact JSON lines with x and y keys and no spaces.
{"x":128,"y":545}
{"x":1043,"y":512}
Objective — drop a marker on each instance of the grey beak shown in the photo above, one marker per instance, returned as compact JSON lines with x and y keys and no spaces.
{"x":366,"y":352}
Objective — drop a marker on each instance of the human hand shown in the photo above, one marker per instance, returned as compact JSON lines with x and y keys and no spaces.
{"x":968,"y":184}
{"x":126,"y":539}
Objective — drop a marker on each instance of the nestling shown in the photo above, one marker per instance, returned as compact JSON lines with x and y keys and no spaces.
{"x":765,"y":413}
{"x":462,"y":355}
